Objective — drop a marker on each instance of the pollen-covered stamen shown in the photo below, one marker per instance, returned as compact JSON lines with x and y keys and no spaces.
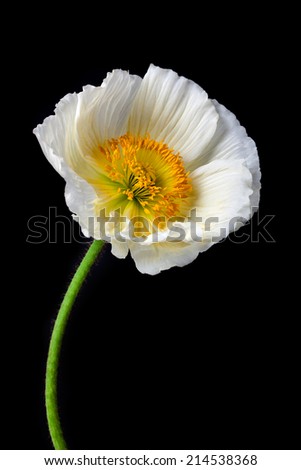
{"x":141,"y":183}
{"x":146,"y":173}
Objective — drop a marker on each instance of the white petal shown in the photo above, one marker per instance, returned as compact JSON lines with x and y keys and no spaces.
{"x":174,"y":110}
{"x":103,"y":111}
{"x":80,"y":198}
{"x":81,"y":121}
{"x":152,"y":259}
{"x":52,"y":133}
{"x":119,"y":249}
{"x":231,"y":142}
{"x":224,"y":188}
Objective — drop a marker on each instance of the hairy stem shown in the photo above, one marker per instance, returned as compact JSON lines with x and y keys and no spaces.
{"x":56,"y":344}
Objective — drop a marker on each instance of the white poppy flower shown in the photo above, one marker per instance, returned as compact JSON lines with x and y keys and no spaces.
{"x":152,"y":165}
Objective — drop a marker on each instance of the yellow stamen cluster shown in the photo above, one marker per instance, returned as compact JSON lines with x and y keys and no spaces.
{"x":146,"y":173}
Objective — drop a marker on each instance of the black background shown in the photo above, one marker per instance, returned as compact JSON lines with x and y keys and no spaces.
{"x":196,"y":357}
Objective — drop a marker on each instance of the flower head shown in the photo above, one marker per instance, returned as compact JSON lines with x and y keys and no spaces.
{"x":153,"y":166}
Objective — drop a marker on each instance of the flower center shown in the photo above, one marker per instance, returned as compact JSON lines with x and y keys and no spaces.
{"x":142,"y":176}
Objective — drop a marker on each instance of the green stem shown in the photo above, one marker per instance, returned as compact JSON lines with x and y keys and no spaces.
{"x":56,"y":344}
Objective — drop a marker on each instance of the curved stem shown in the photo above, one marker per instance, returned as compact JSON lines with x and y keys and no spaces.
{"x":56,"y":344}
